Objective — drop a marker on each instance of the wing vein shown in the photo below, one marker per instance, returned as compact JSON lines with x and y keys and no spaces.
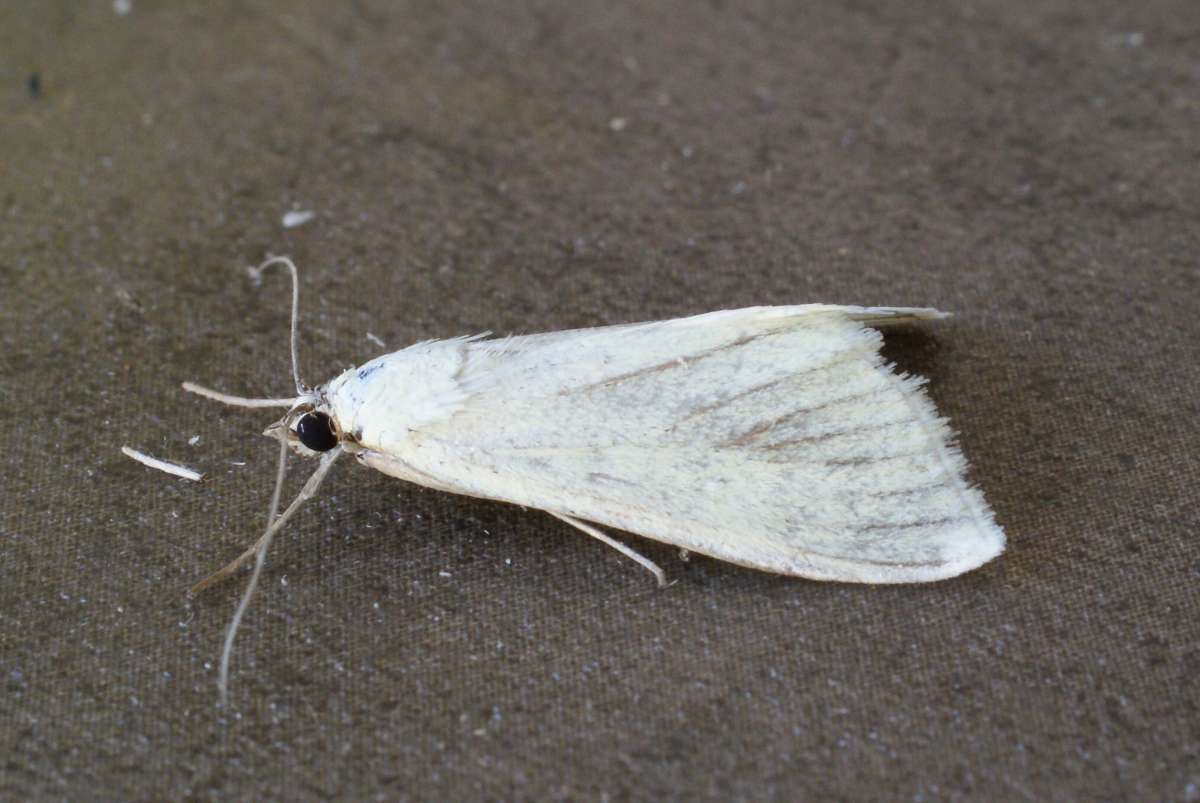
{"x":674,"y":362}
{"x":838,"y":359}
{"x":744,"y":438}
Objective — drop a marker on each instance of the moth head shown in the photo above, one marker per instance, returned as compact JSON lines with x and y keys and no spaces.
{"x":309,"y":429}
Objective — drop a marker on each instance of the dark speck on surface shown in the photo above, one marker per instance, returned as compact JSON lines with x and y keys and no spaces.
{"x":33,"y":84}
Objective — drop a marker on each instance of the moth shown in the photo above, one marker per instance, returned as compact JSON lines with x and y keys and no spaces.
{"x":777,"y":438}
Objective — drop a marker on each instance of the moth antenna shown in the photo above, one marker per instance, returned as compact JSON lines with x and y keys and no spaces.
{"x":240,"y":401}
{"x":259,"y":553}
{"x":302,"y":391}
{"x":256,"y":274}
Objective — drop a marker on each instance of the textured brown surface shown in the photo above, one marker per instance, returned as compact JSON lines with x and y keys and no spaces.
{"x":1032,"y":166}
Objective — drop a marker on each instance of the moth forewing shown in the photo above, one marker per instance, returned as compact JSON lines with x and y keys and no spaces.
{"x":772,"y":437}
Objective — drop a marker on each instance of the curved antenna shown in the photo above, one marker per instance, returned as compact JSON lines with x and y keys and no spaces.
{"x":303,"y":392}
{"x":256,"y":275}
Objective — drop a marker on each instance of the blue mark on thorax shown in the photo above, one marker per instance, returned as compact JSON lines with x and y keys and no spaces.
{"x":367,"y":370}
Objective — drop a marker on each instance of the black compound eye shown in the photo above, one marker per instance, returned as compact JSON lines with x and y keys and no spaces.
{"x":315,"y":431}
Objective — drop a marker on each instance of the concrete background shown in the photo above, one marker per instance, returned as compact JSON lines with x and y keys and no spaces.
{"x":1032,"y":166}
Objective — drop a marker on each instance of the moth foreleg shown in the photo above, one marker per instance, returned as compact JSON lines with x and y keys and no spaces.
{"x":627,"y":551}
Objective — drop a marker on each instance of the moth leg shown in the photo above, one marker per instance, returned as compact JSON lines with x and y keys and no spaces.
{"x":306,"y":493}
{"x":627,"y":551}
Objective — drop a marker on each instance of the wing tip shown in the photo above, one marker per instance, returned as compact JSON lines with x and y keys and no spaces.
{"x":961,"y":552}
{"x":889,"y":316}
{"x":984,"y":543}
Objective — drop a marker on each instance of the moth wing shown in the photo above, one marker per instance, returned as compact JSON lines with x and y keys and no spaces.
{"x":772,"y":437}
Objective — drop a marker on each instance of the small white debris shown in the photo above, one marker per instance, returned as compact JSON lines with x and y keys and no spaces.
{"x":1129,"y":39}
{"x":376,"y":340}
{"x":297,"y":217}
{"x":444,"y":574}
{"x":618,"y":124}
{"x":162,"y":465}
{"x":192,"y":441}
{"x":122,"y":7}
